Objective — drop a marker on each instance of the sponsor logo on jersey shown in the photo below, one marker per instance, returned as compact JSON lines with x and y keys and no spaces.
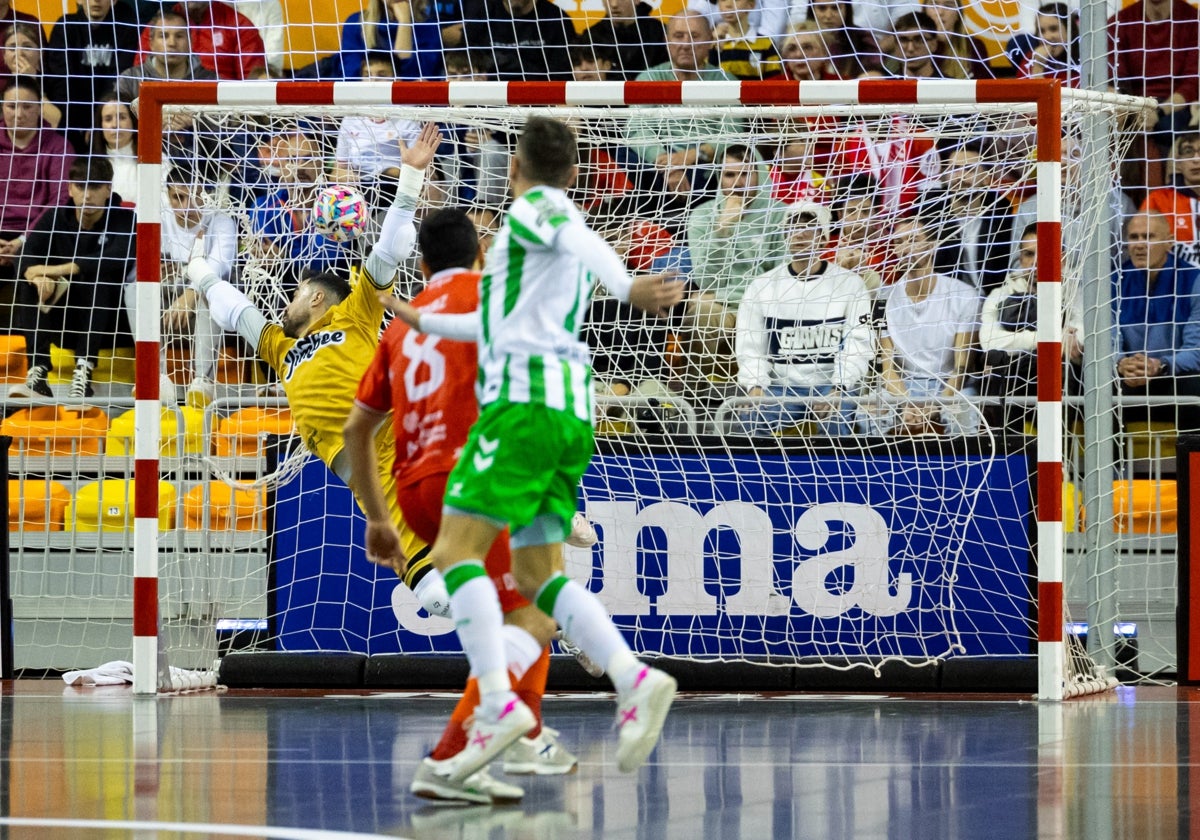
{"x":307,"y":347}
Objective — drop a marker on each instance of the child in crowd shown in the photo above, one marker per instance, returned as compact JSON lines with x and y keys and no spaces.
{"x":743,"y":50}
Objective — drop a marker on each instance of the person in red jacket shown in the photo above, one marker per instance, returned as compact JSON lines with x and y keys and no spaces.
{"x":1156,"y":45}
{"x":223,"y":40}
{"x":1180,"y":202}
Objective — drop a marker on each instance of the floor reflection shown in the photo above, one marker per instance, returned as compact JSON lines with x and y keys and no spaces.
{"x":736,"y":769}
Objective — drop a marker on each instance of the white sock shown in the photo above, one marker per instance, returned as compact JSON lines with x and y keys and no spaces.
{"x":588,"y":626}
{"x":479,"y":623}
{"x":431,"y":592}
{"x":521,"y":649}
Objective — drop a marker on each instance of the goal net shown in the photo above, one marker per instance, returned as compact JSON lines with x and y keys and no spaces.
{"x":840,"y":451}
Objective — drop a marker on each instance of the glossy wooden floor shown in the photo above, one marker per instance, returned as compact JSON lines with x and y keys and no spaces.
{"x":96,"y":763}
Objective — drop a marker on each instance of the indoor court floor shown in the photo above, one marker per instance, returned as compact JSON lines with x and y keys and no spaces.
{"x":98,"y":763}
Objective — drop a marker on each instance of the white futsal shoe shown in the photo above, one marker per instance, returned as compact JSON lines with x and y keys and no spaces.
{"x":641,"y":713}
{"x":489,"y":734}
{"x":540,"y":756}
{"x":432,"y":781}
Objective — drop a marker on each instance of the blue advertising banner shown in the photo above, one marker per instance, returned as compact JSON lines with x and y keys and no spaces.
{"x":713,"y":554}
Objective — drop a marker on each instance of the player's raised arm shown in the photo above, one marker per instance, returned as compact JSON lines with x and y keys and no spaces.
{"x":398,"y":235}
{"x":462,"y":326}
{"x":653,"y":293}
{"x":231,"y":310}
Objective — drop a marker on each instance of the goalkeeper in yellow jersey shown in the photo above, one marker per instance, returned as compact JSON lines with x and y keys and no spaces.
{"x":326,"y":337}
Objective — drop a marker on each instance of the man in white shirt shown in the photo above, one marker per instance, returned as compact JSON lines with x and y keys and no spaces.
{"x":804,"y":330}
{"x":930,"y":321}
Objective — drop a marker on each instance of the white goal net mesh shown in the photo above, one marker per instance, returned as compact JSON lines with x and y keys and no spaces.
{"x":822,"y":456}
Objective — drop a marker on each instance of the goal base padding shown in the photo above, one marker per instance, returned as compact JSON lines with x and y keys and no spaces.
{"x":431,"y":672}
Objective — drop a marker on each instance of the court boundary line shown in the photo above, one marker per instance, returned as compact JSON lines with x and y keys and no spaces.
{"x":224,"y":829}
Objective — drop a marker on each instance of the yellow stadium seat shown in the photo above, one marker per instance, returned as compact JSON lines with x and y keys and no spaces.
{"x":37,"y":504}
{"x":1142,"y":436}
{"x":120,"y":433}
{"x":229,"y":509}
{"x":53,"y":430}
{"x":14,"y":364}
{"x":111,"y":365}
{"x":1072,"y":512}
{"x":241,"y":433}
{"x":107,"y":505}
{"x":1145,"y":506}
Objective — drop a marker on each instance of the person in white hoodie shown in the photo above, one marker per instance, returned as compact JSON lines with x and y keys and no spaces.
{"x":186,"y":314}
{"x":804,"y":331}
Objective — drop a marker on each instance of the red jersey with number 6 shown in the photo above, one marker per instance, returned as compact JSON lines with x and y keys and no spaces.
{"x":427,"y":381}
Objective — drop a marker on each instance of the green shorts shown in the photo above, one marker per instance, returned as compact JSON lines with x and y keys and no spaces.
{"x":520,"y":462}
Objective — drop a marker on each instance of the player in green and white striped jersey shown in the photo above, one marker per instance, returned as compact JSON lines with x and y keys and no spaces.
{"x":532,"y":443}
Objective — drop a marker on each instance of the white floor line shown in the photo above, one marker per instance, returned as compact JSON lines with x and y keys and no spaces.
{"x":196,"y":828}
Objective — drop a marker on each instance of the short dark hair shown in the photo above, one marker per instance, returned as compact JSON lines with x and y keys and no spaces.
{"x":738,"y":151}
{"x":592,"y":53}
{"x":915,"y":20}
{"x":328,"y":282}
{"x":29,"y":83}
{"x":448,"y":239}
{"x":180,"y":173}
{"x":160,"y":18}
{"x":380,"y":57}
{"x":90,"y":169}
{"x":467,"y":61}
{"x":547,"y":151}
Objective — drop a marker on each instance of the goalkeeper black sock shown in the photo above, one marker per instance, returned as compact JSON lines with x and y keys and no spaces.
{"x":418,"y":567}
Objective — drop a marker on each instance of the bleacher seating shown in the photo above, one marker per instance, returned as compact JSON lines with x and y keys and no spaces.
{"x":107,"y":505}
{"x":37,"y":504}
{"x":242,"y":432}
{"x":120,"y":433}
{"x":228,"y":509}
{"x":54,"y":430}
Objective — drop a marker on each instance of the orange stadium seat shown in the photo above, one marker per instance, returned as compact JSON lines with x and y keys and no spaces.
{"x":107,"y":505}
{"x":229,"y":509}
{"x":1140,"y":506}
{"x":241,"y":433}
{"x":14,"y":364}
{"x":53,"y":430}
{"x":1144,"y":506}
{"x":37,"y":504}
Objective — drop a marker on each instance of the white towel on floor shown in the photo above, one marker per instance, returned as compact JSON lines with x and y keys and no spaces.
{"x":110,"y":673}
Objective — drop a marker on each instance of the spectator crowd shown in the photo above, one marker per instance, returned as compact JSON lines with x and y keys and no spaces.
{"x":847,"y":275}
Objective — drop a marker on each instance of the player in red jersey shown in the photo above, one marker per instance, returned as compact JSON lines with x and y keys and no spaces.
{"x":428,"y":383}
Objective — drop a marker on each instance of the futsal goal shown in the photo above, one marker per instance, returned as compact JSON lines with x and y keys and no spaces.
{"x":887,"y":525}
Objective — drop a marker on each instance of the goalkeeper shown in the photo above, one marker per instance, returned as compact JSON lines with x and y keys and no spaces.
{"x":326,"y":336}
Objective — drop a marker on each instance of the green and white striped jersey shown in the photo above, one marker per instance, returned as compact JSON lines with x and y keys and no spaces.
{"x":533,"y":300}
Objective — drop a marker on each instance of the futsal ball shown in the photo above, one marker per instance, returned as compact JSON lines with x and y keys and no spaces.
{"x":340,"y":213}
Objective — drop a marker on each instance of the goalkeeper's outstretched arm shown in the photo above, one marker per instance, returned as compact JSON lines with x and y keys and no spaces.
{"x":397,"y":236}
{"x":232,"y":310}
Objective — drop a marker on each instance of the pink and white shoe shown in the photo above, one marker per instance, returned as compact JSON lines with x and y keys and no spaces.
{"x":641,"y":713}
{"x":490,"y":734}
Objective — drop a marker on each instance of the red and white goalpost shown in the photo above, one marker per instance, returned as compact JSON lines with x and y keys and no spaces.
{"x":953,"y":107}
